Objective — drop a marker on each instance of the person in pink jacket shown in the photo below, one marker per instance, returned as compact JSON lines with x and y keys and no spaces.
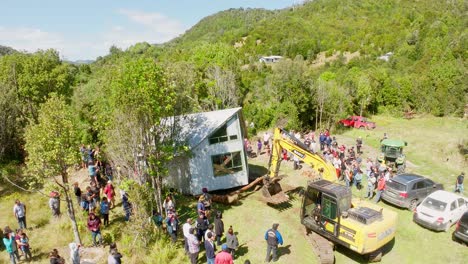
{"x":110,"y":193}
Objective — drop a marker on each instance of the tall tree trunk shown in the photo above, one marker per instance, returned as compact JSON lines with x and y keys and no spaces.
{"x":316,"y":118}
{"x":70,"y":208}
{"x":362,"y":104}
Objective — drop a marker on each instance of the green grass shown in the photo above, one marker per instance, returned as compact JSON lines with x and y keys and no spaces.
{"x":430,"y":141}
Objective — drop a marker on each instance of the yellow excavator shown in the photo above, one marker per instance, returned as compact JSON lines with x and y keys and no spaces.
{"x":330,"y":214}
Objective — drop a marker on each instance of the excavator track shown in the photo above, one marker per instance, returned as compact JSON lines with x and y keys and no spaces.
{"x":322,"y":247}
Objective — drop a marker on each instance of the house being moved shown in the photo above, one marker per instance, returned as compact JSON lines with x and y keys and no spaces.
{"x":217,"y":159}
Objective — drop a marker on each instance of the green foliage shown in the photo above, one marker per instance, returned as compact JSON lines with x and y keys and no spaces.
{"x":51,"y":143}
{"x":26,"y":80}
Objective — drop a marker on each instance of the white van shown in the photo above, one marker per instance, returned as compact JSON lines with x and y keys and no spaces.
{"x":440,"y":210}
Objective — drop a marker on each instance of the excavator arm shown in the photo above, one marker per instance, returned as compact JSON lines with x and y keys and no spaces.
{"x":282,"y":139}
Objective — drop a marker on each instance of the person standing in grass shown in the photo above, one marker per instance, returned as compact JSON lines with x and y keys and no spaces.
{"x":114,"y":255}
{"x":259,"y":147}
{"x":19,"y":211}
{"x":78,"y":193}
{"x":94,"y":225}
{"x":193,"y":245}
{"x":74,"y":253}
{"x":55,"y":258}
{"x":380,"y":188}
{"x":24,"y":240}
{"x":186,"y":231}
{"x":172,"y":223}
{"x":10,"y":245}
{"x":273,"y":238}
{"x":459,"y":183}
{"x":127,"y":206}
{"x":224,"y":257}
{"x":210,"y":248}
{"x":231,"y":241}
{"x":54,"y":203}
{"x":110,"y":193}
{"x":219,"y":227}
{"x":105,"y":210}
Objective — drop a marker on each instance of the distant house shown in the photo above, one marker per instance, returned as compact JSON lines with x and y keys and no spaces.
{"x":386,"y":56}
{"x":217,"y":158}
{"x":270,"y":59}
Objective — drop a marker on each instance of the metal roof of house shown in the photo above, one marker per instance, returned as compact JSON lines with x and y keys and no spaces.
{"x":196,"y":127}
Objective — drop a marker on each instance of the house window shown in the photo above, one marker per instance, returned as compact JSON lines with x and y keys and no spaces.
{"x":221,"y":135}
{"x":227,"y":163}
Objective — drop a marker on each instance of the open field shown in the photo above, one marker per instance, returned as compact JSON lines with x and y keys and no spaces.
{"x":430,"y":142}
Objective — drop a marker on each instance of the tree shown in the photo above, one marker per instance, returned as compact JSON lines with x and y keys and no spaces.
{"x":139,"y":135}
{"x":221,"y":89}
{"x":364,"y":92}
{"x":51,"y":147}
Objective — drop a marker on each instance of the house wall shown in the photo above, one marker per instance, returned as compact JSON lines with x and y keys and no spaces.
{"x":179,"y":175}
{"x":201,"y":166}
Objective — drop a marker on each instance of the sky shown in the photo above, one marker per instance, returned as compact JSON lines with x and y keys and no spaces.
{"x":86,"y":29}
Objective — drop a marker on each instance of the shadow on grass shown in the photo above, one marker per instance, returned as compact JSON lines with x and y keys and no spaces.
{"x":37,"y":256}
{"x":242,"y":250}
{"x":284,"y":250}
{"x":364,"y":258}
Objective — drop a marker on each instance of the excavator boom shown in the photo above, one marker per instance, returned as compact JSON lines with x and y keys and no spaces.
{"x":282,"y":139}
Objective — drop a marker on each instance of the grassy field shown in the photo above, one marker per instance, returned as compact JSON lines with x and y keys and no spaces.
{"x":431,"y":141}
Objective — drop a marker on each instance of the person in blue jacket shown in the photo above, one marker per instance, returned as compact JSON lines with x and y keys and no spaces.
{"x":273,"y":238}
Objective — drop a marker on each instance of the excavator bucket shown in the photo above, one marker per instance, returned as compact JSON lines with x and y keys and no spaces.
{"x":273,"y":193}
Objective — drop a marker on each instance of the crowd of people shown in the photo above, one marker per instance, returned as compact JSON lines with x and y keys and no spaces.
{"x":96,"y":202}
{"x":206,"y":232}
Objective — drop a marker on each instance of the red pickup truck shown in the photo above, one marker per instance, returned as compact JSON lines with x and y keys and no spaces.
{"x":357,"y":122}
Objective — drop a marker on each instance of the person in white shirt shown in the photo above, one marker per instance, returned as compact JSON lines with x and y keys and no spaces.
{"x":19,"y":210}
{"x":186,"y":230}
{"x":266,"y":139}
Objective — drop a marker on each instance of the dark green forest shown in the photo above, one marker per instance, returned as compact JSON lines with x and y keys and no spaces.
{"x":215,"y":65}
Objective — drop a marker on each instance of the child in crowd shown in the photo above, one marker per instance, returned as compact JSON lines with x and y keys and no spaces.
{"x":25,"y":246}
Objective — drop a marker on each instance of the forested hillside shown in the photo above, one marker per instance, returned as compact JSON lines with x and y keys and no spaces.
{"x":215,"y":65}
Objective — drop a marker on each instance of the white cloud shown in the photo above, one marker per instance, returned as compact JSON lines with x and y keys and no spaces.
{"x":29,"y":39}
{"x":160,"y":24}
{"x":143,"y":26}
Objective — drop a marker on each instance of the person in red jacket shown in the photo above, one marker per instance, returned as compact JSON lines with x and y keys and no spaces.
{"x":380,"y":188}
{"x":224,"y":257}
{"x":94,"y":225}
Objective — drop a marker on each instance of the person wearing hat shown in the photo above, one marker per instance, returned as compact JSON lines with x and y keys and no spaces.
{"x":459,"y":183}
{"x":224,"y":257}
{"x":193,"y":246}
{"x":273,"y":238}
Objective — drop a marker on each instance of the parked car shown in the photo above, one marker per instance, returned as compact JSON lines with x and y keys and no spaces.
{"x":357,"y":122}
{"x":461,"y":232}
{"x":408,"y":190}
{"x":440,"y":210}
